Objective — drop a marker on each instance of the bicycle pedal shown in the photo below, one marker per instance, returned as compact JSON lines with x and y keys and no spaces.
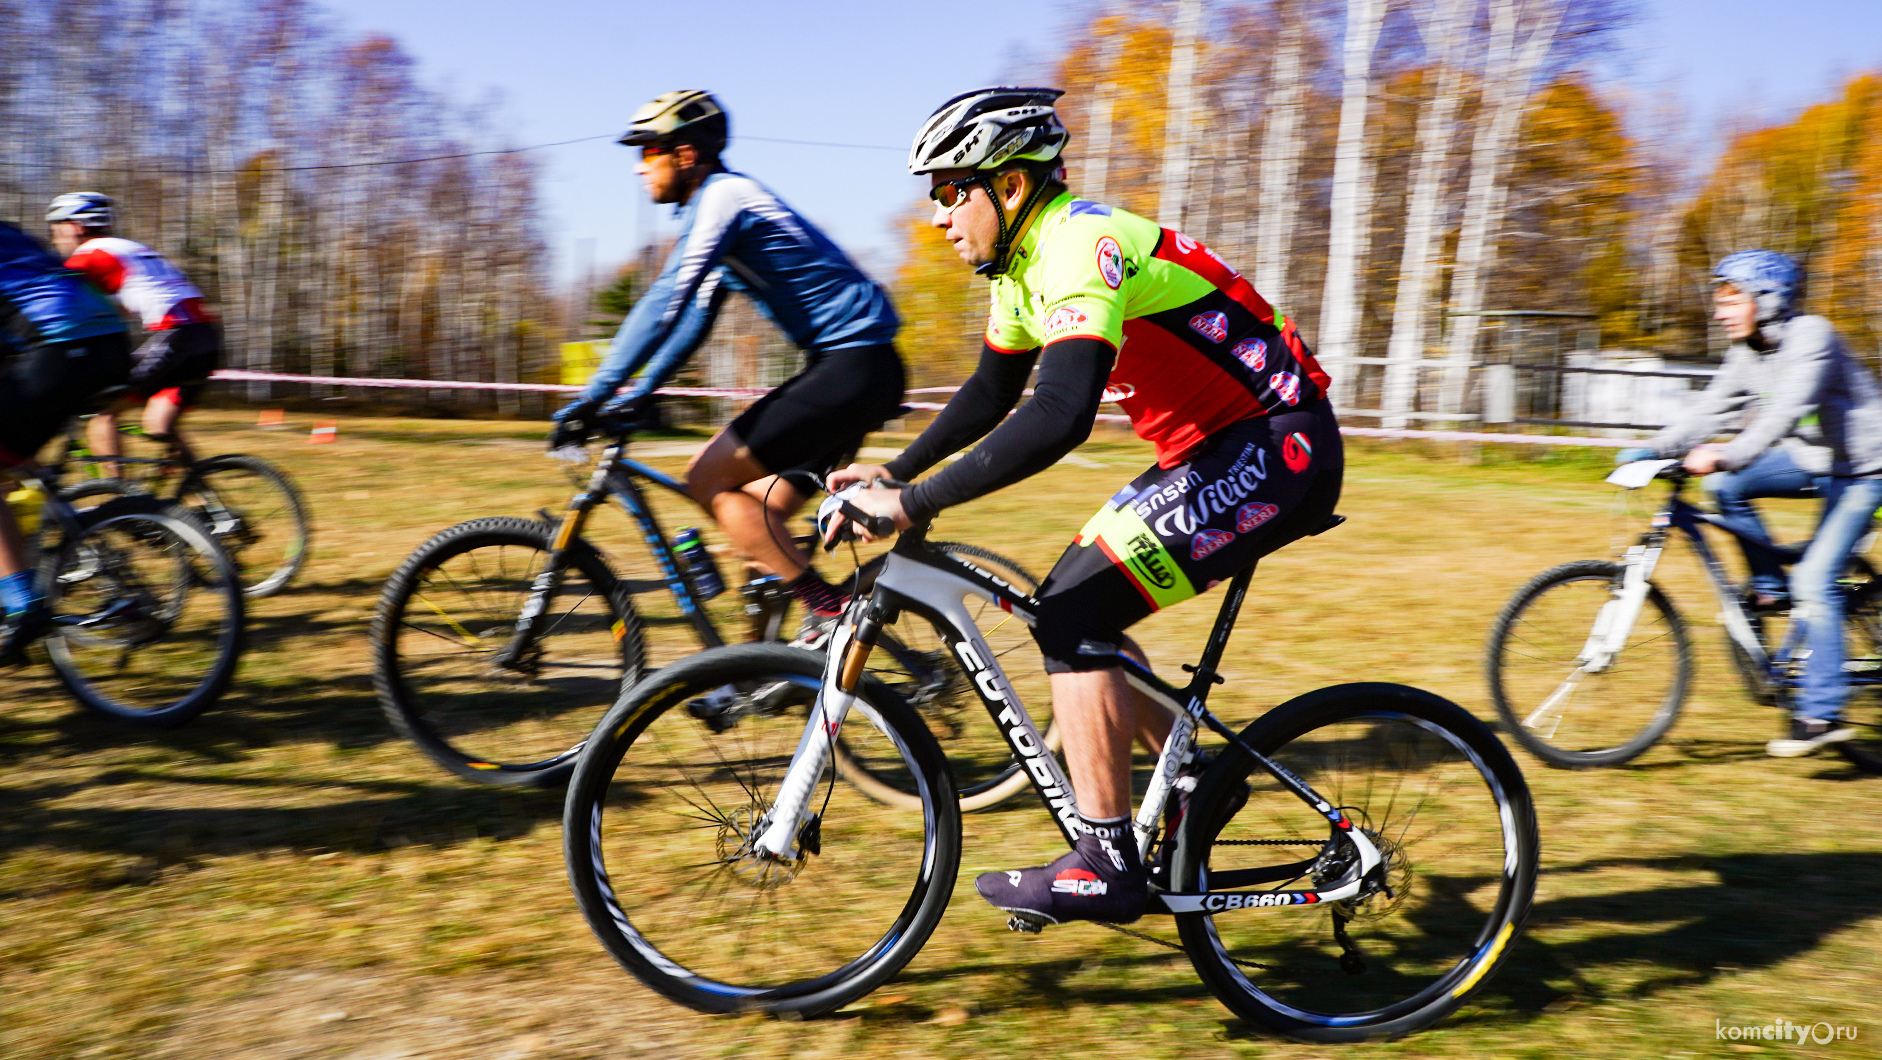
{"x":1025,"y":925}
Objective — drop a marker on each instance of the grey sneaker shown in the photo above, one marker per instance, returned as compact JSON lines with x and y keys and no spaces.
{"x":1808,"y":734}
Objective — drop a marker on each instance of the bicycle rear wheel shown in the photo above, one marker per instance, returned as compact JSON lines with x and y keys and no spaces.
{"x":1862,"y":627}
{"x":150,"y":613}
{"x":253,"y":510}
{"x":1566,"y":712}
{"x":912,"y":659}
{"x":1447,"y":808}
{"x":667,"y":798}
{"x":445,"y":620}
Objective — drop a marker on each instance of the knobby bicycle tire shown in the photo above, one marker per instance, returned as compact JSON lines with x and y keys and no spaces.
{"x":520,"y":725}
{"x":263,"y":574}
{"x":1450,"y":812}
{"x":136,"y":645}
{"x":660,"y":817}
{"x":1555,"y":681}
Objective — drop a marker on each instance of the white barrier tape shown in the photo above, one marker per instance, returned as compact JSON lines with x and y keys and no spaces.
{"x":238,"y":375}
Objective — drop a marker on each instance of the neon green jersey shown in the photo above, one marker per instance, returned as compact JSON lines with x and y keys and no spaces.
{"x":1198,"y":349}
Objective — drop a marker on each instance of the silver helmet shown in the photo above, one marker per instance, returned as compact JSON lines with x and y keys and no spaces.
{"x":88,"y":208}
{"x":988,"y":128}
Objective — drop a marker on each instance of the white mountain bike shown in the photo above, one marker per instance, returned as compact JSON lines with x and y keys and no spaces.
{"x":1353,"y":864}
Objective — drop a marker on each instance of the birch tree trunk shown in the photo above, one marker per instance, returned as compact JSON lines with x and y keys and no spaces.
{"x":1446,"y":33}
{"x":1282,"y":145}
{"x":1179,"y":134}
{"x":1351,"y":222}
{"x":1098,"y":168}
{"x":1509,"y":71}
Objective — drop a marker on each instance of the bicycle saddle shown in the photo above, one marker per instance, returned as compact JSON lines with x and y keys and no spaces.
{"x":1332,"y":521}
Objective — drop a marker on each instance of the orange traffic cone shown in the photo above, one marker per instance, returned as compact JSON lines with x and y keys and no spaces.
{"x":272,"y":418}
{"x":326,"y":432}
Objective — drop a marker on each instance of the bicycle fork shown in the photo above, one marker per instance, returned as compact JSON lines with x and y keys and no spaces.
{"x":543,"y":587}
{"x":848,"y":654}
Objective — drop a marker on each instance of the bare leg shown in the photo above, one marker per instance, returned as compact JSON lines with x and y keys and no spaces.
{"x":102,"y":435}
{"x":721,"y":480}
{"x":161,"y":414}
{"x":1153,"y":722}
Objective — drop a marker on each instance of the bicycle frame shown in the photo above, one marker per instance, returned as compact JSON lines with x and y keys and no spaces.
{"x":935,"y":585}
{"x":614,"y":476}
{"x":1614,"y":622}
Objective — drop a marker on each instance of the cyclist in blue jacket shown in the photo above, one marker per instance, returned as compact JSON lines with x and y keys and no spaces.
{"x":61,"y":343}
{"x":735,"y":235}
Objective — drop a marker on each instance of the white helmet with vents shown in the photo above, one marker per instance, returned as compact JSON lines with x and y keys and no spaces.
{"x":89,"y":208}
{"x":988,"y":128}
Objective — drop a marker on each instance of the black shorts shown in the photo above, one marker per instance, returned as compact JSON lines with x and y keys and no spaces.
{"x":1173,"y":533}
{"x":47,"y":384}
{"x":818,"y":418}
{"x":179,"y":358}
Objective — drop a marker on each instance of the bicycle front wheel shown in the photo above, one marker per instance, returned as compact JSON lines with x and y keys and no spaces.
{"x":666,"y":802}
{"x":1568,"y":703}
{"x":449,"y":678}
{"x":150,"y":613}
{"x":912,"y":659}
{"x":1449,"y":812}
{"x":253,"y":510}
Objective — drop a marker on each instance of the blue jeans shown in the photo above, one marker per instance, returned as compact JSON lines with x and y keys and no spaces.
{"x":1774,"y":474}
{"x":1848,"y":506}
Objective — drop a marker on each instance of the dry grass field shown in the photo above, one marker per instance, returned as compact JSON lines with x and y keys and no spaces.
{"x":285,"y":878}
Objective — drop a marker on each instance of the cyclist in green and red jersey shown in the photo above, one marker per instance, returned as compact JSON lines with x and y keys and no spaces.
{"x":1110,"y":306}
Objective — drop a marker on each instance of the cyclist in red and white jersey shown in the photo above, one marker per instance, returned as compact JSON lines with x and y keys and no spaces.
{"x":1109,"y":306}
{"x":183,"y":342}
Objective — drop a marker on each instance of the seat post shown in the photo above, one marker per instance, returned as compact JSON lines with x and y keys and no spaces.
{"x":1219,"y":636}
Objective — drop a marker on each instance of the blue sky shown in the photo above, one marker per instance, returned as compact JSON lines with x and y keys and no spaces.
{"x":842,"y":71}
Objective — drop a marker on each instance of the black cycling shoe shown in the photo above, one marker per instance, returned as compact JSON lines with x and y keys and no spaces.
{"x":1763,"y":602}
{"x":21,"y":631}
{"x":1182,"y":790}
{"x":1101,"y":879}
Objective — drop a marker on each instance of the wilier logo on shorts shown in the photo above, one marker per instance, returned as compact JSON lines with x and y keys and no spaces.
{"x":1208,"y":541}
{"x":1064,"y":318}
{"x":1253,"y":353}
{"x":1296,"y":452}
{"x":1253,"y":514}
{"x":1110,"y":262}
{"x":1212,"y":325}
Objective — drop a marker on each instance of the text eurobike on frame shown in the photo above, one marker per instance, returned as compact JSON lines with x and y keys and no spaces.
{"x":1783,"y":1030}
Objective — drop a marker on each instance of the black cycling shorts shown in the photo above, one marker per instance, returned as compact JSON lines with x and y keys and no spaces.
{"x":818,"y":418}
{"x":179,"y":358}
{"x":47,"y":384}
{"x":1175,"y":532}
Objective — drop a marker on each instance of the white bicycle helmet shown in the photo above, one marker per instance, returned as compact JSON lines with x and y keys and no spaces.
{"x":989,"y":127}
{"x":987,"y":130}
{"x":88,"y":208}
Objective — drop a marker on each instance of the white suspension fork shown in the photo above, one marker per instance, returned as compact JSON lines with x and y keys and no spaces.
{"x":1615,"y":621}
{"x":792,"y":807}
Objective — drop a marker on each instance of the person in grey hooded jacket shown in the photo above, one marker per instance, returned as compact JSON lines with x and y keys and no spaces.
{"x":1815,"y":426}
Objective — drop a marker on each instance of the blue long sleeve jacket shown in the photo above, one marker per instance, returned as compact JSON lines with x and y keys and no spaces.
{"x":43,"y":301}
{"x":735,"y":235}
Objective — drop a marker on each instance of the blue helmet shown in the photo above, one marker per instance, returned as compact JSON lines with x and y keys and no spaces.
{"x":1775,"y":280}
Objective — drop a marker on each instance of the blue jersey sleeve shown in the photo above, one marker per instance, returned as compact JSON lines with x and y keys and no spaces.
{"x":671,"y":320}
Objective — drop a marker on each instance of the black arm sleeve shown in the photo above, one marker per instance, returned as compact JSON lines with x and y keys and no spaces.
{"x":1064,"y":404}
{"x":976,"y":408}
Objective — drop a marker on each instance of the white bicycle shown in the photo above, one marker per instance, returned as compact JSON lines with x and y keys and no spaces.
{"x":1353,"y":864}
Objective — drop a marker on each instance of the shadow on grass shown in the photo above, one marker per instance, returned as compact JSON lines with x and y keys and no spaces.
{"x":1683,"y":936}
{"x":386,"y":814}
{"x":1763,"y":910}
